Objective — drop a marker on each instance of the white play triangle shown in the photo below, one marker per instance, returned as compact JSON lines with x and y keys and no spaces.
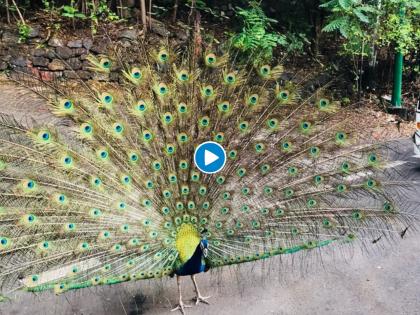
{"x":209,"y":157}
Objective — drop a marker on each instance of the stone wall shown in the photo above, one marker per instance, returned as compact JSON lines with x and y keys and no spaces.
{"x":64,"y":56}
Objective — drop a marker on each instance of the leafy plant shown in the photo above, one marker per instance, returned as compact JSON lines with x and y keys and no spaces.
{"x":255,"y":37}
{"x":24,"y":31}
{"x":352,"y":19}
{"x":71,"y":11}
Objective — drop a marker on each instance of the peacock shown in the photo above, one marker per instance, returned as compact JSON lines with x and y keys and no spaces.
{"x":110,"y":190}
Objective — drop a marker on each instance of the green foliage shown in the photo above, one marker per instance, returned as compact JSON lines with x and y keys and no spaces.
{"x":367,"y":23}
{"x":255,"y":38}
{"x":71,"y":11}
{"x":352,"y":19}
{"x":24,"y":31}
{"x":400,"y":25}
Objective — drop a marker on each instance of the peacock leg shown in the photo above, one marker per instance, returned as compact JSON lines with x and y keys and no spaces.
{"x":181,"y":306}
{"x":199,"y":298}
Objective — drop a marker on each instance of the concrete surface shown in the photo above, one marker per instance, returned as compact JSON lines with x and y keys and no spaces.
{"x":381,"y":282}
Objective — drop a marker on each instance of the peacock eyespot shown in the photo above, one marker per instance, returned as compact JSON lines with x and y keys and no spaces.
{"x":184,"y":77}
{"x":305,"y":125}
{"x":232,"y":154}
{"x":356,"y":215}
{"x":318,"y":179}
{"x":67,"y":160}
{"x":311,"y":203}
{"x":265,"y":70}
{"x":108,"y":98}
{"x":208,"y":91}
{"x":284,"y":95}
{"x":288,"y":192}
{"x":61,"y":198}
{"x":341,"y":188}
{"x":134,"y":157}
{"x":45,"y":136}
{"x":35,"y":278}
{"x":163,"y":90}
{"x":122,"y":205}
{"x":253,"y":100}
{"x":87,"y":128}
{"x":141,"y":107}
{"x":314,"y":150}
{"x":219,"y":137}
{"x":388,"y":207}
{"x":136,"y":74}
{"x":68,"y":104}
{"x":259,"y":147}
{"x":106,"y":64}
{"x":323,"y":103}
{"x":118,"y":128}
{"x":30,"y":184}
{"x":211,"y":59}
{"x":230,"y":78}
{"x":163,"y":56}
{"x":104,"y":154}
{"x":241,"y":172}
{"x":292,"y":170}
{"x":243,"y":125}
{"x":3,"y":241}
{"x":31,"y":218}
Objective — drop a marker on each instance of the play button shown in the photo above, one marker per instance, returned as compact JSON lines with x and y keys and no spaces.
{"x":210,"y":157}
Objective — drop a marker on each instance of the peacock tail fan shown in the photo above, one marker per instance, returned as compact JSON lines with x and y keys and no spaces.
{"x":109,"y":192}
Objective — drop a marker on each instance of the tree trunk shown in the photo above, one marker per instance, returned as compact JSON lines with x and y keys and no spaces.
{"x":143,"y":15}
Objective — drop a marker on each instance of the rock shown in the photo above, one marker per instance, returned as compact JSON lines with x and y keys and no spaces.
{"x":39,"y":52}
{"x":85,"y":75}
{"x":160,"y":28}
{"x":64,"y":52}
{"x":79,"y":51}
{"x":75,"y":43}
{"x":69,"y":74}
{"x":33,"y":32}
{"x":182,"y":35}
{"x":56,"y":65}
{"x":87,"y":43}
{"x":114,"y":76}
{"x":49,"y":75}
{"x":7,"y":58}
{"x":3,"y":65}
{"x":125,"y":43}
{"x":9,"y":37}
{"x":20,"y":61}
{"x":51,"y":54}
{"x":99,"y":48}
{"x":128,"y":34}
{"x":85,"y":65}
{"x":74,"y":64}
{"x":40,"y":61}
{"x":56,"y":42}
{"x":99,"y":76}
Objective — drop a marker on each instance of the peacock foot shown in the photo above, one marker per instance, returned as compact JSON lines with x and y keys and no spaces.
{"x":181,"y":307}
{"x":202,"y":299}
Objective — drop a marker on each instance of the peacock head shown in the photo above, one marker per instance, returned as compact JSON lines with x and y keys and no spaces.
{"x":204,"y":246}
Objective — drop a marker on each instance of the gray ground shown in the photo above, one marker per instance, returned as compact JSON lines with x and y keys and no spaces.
{"x":384,"y":282}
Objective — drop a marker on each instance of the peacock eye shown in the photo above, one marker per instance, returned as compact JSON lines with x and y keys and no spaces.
{"x":163,"y":56}
{"x":106,"y":63}
{"x":265,"y":70}
{"x":68,"y":104}
{"x":210,"y":59}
